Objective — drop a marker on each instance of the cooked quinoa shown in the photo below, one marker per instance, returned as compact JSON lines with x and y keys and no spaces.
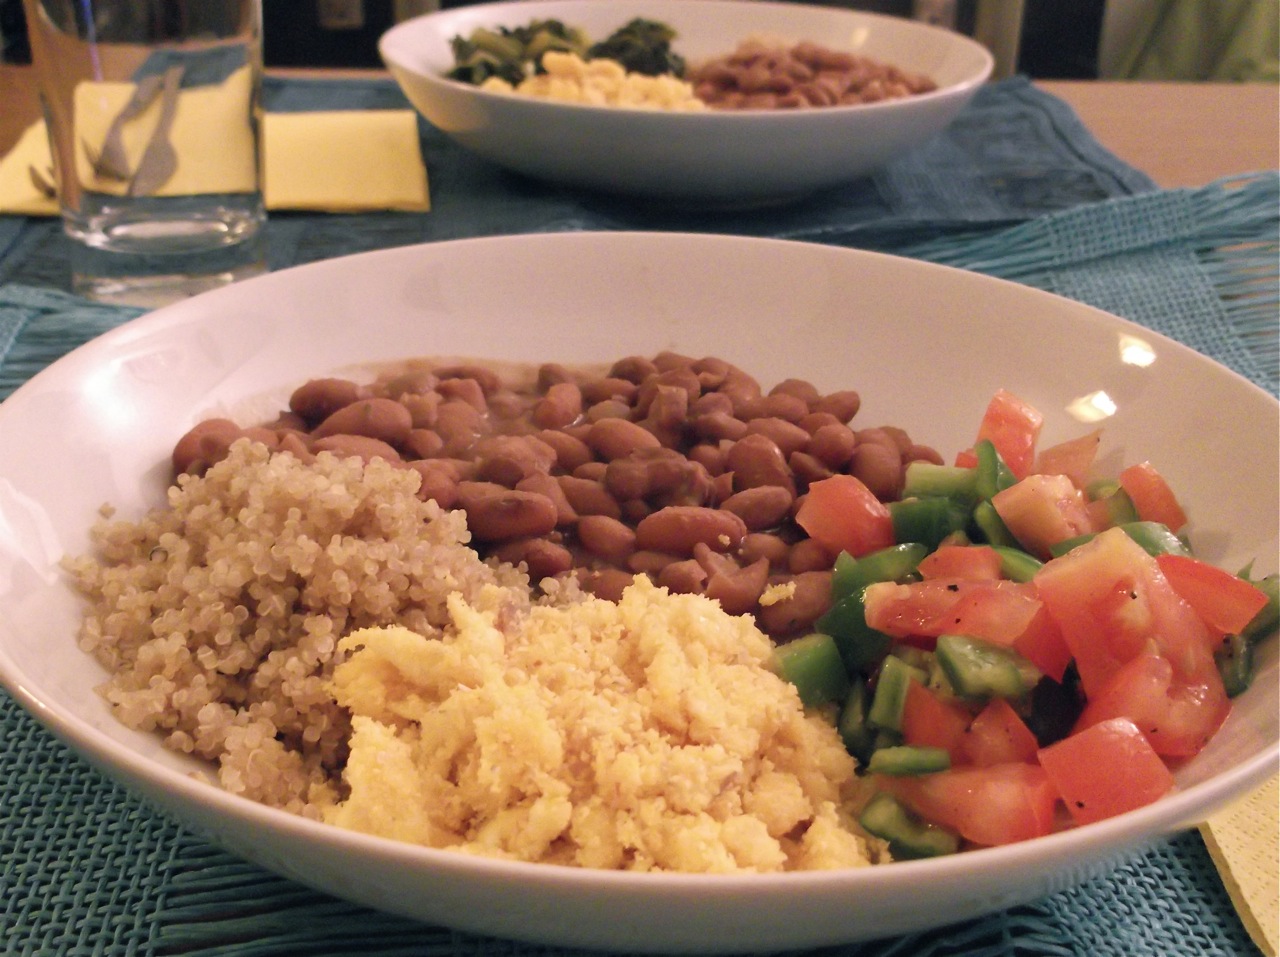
{"x":219,"y":616}
{"x":332,"y":643}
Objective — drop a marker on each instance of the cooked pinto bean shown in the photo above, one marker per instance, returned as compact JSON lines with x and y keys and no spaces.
{"x":760,"y":75}
{"x":288,"y":422}
{"x":757,"y":460}
{"x":610,"y":387}
{"x":809,"y":599}
{"x":616,"y":438}
{"x":666,"y":412}
{"x":710,"y":457}
{"x":542,"y":558}
{"x":318,"y":399}
{"x":800,"y":388}
{"x":677,"y":528}
{"x":570,"y":452}
{"x":423,"y":443}
{"x":356,"y":446}
{"x":488,"y":380}
{"x":422,"y":408}
{"x":738,"y":589}
{"x":633,"y":368}
{"x":588,"y":497}
{"x":764,"y":506}
{"x":635,"y":509}
{"x":843,"y":405}
{"x":593,"y":470}
{"x":808,"y":556}
{"x":413,"y":382}
{"x":777,"y":406}
{"x":787,"y":436}
{"x":684,"y":469}
{"x":808,"y":468}
{"x":295,"y":443}
{"x":551,"y":373}
{"x":606,"y":537}
{"x":651,"y":563}
{"x":685,"y":577}
{"x":606,"y":583}
{"x":879,"y":466}
{"x":459,"y":424}
{"x":205,"y":444}
{"x":608,"y":409}
{"x":761,"y":545}
{"x":439,"y":483}
{"x":466,"y":390}
{"x":383,"y":419}
{"x":546,"y":484}
{"x":507,"y":514}
{"x":561,"y":406}
{"x":719,"y":425}
{"x":506,"y":459}
{"x":832,"y":445}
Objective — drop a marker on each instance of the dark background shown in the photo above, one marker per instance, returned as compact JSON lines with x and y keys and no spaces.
{"x":1059,"y":37}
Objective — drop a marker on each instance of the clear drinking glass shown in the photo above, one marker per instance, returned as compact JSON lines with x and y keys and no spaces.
{"x":154,"y":112}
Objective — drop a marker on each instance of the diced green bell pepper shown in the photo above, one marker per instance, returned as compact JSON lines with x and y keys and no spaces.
{"x":891,"y":692}
{"x":908,"y":836}
{"x":815,"y":667}
{"x":979,"y":669}
{"x":927,"y":520}
{"x":906,"y":760}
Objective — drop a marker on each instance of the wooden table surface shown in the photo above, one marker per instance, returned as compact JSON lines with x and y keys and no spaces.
{"x":1180,"y":134}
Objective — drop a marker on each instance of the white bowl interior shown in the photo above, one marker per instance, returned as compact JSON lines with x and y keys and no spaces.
{"x":748,"y":155}
{"x":915,"y":339}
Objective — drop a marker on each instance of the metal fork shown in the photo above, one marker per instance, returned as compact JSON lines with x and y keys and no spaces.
{"x":112,"y":162}
{"x":160,"y":159}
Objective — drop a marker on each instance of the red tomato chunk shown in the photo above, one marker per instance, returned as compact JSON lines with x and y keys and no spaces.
{"x":1105,"y":770}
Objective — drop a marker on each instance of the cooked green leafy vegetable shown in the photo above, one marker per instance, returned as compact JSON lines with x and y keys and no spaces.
{"x":642,"y":46}
{"x":511,"y":53}
{"x":515,"y":53}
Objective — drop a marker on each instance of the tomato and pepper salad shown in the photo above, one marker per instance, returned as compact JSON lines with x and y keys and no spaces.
{"x":1015,"y":647}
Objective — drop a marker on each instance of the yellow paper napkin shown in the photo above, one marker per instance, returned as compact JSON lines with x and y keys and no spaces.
{"x":18,"y":192}
{"x":341,"y":161}
{"x":344,"y":161}
{"x":1242,"y":840}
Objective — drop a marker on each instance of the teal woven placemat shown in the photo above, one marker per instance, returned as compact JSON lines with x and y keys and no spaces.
{"x":87,"y":869}
{"x":1014,"y":154}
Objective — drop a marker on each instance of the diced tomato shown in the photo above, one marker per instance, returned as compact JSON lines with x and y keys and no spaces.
{"x":1152,"y":496}
{"x":972,"y":562}
{"x":1072,"y":458}
{"x":928,"y":721}
{"x":998,"y":736}
{"x":967,"y":459}
{"x":1224,"y":602}
{"x":1112,"y":603}
{"x":997,"y":611}
{"x":1042,"y":644}
{"x":1105,"y":770}
{"x":996,"y":805}
{"x":1043,"y":510}
{"x":842,"y":514}
{"x":1013,"y":427}
{"x":1177,"y":717}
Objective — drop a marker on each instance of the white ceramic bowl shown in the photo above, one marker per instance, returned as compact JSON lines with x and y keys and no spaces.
{"x":719,"y":157}
{"x":915,"y":339}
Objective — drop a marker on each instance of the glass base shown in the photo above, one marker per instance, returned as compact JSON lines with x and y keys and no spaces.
{"x":164,"y":226}
{"x":154,"y":280}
